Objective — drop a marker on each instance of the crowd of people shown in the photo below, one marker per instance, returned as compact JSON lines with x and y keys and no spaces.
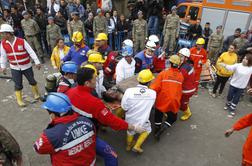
{"x":91,"y":56}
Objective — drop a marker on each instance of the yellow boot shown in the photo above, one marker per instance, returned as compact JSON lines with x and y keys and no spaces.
{"x":130,"y":143}
{"x":35,"y":92}
{"x":187,"y":114}
{"x":19,"y":98}
{"x":142,"y":137}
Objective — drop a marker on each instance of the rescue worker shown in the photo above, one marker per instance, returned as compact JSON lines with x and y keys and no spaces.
{"x":171,"y":30}
{"x":144,"y":59}
{"x":159,"y":55}
{"x":76,"y":25}
{"x":168,"y":86}
{"x":215,"y":44}
{"x":126,"y":66}
{"x":18,"y":53}
{"x":127,"y":42}
{"x":102,"y":44}
{"x":68,"y":80}
{"x":137,"y":103}
{"x":99,"y":24}
{"x":31,"y":30}
{"x":188,"y":86}
{"x":10,"y":151}
{"x":139,"y":32}
{"x":199,"y":58}
{"x":244,"y":122}
{"x":69,"y":138}
{"x":52,"y":33}
{"x":77,"y":52}
{"x":92,"y":107}
{"x":97,"y":61}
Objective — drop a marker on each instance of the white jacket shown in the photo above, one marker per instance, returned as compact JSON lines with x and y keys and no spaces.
{"x":124,"y":70}
{"x":137,"y":103}
{"x":99,"y":84}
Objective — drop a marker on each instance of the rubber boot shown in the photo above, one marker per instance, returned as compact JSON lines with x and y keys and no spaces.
{"x":130,"y":144}
{"x":161,"y":130}
{"x":35,"y":92}
{"x":187,"y":114}
{"x":20,"y":99}
{"x":142,"y":137}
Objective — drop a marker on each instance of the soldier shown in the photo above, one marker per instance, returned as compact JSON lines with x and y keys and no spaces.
{"x":76,"y":25}
{"x":241,"y":41}
{"x":10,"y":152}
{"x":31,"y":30}
{"x":100,"y":24}
{"x":171,"y":30}
{"x":215,"y":44}
{"x":139,"y":32}
{"x":52,"y":33}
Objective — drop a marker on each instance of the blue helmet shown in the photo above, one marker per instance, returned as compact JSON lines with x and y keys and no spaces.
{"x":69,"y":67}
{"x":127,"y":51}
{"x":57,"y":102}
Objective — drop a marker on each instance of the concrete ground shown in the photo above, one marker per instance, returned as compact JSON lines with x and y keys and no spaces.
{"x":199,"y":141}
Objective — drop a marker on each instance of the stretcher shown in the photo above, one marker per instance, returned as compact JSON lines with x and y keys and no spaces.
{"x":208,"y":73}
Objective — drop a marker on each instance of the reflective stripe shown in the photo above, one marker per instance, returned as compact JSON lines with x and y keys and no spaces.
{"x":82,"y":112}
{"x":75,"y":142}
{"x":197,"y":55}
{"x":188,"y":91}
{"x":168,"y":124}
{"x":172,"y":81}
{"x":22,"y":63}
{"x":191,"y":71}
{"x":16,"y":53}
{"x":158,"y":123}
{"x":93,"y":163}
{"x":19,"y":61}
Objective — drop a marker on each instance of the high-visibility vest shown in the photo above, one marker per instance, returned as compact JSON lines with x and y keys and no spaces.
{"x":16,"y":54}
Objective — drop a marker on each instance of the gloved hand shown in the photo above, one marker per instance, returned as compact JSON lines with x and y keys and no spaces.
{"x":136,"y":128}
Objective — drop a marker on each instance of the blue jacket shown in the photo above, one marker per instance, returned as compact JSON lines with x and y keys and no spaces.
{"x":78,"y":57}
{"x":142,"y":62}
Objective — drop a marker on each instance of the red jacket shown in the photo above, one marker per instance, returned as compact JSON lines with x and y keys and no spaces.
{"x":110,"y":64}
{"x":87,"y":105}
{"x":244,"y":122}
{"x":70,"y":141}
{"x":168,"y":86}
{"x":188,"y":73}
{"x":197,"y":56}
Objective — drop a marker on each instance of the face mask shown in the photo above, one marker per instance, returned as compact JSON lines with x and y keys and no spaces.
{"x":71,"y":81}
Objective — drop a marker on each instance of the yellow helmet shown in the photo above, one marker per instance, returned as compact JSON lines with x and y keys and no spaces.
{"x":95,"y":58}
{"x":145,"y":76}
{"x":102,"y":36}
{"x":91,"y":67}
{"x":175,"y":59}
{"x":200,"y":41}
{"x":77,"y":36}
{"x":91,"y":52}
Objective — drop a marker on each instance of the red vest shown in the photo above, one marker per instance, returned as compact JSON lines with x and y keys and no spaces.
{"x":18,"y":54}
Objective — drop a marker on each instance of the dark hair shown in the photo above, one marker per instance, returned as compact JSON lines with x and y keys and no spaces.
{"x":208,"y":23}
{"x":57,"y":41}
{"x":14,"y":7}
{"x":174,"y":65}
{"x":199,"y":19}
{"x":249,"y":58}
{"x":234,"y":45}
{"x":84,"y":74}
{"x":238,"y":29}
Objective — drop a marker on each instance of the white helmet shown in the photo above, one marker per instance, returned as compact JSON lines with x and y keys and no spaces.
{"x":154,"y":38}
{"x":6,"y":28}
{"x":151,"y":45}
{"x":128,"y":42}
{"x":185,"y":52}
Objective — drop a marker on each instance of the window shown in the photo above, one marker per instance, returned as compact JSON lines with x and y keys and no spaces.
{"x":193,"y":12}
{"x":181,"y":11}
{"x":216,"y":1}
{"x":241,"y":3}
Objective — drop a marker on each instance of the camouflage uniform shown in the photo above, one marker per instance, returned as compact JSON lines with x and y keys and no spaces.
{"x":171,"y":31}
{"x":214,"y":46}
{"x":100,"y":25}
{"x":31,"y":30}
{"x":52,"y":34}
{"x":240,"y":42}
{"x":9,"y":148}
{"x":139,"y":34}
{"x":74,"y":26}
